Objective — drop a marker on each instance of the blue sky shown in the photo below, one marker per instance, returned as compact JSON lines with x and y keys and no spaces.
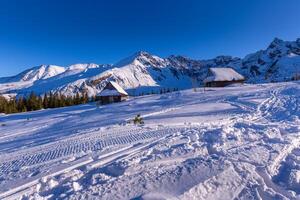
{"x":35,"y":32}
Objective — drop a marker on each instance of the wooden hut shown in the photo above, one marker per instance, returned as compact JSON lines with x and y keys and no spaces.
{"x":112,"y":93}
{"x":221,"y":77}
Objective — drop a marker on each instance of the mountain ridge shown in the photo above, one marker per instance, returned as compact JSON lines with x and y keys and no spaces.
{"x":144,"y":72}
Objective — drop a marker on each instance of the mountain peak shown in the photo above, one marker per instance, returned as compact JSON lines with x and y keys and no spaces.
{"x":82,"y":66}
{"x":141,"y":53}
{"x":276,"y":42}
{"x":141,"y":57}
{"x":278,"y":62}
{"x":43,"y":72}
{"x":178,"y":59}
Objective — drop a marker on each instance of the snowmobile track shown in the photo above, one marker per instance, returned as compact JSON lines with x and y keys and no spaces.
{"x":75,"y":146}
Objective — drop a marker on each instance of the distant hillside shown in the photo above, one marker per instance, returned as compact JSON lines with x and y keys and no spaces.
{"x":143,"y":72}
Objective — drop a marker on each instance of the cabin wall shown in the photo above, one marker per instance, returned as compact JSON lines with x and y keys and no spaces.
{"x":221,"y":83}
{"x":111,"y":99}
{"x":109,"y":86}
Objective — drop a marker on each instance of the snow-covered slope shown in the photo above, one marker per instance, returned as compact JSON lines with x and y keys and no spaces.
{"x":223,"y":143}
{"x":146,"y":73}
{"x":35,"y":73}
{"x":141,"y":72}
{"x":279,"y":62}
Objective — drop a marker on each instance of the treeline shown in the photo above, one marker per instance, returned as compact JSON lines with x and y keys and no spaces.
{"x":35,"y":102}
{"x":161,"y":91}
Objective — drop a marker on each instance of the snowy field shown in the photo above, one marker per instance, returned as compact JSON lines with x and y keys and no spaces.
{"x":224,"y":143}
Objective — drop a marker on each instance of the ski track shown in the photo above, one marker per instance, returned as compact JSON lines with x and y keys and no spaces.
{"x":244,"y":175}
{"x":77,"y":145}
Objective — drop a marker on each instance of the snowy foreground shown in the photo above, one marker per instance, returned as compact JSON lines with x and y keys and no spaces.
{"x":225,"y":143}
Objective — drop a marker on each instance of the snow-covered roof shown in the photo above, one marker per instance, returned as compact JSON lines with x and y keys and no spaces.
{"x":223,"y":74}
{"x":107,"y":92}
{"x":118,"y":90}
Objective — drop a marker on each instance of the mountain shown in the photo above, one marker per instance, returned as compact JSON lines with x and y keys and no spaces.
{"x":145,"y":73}
{"x":279,"y":62}
{"x":35,"y":73}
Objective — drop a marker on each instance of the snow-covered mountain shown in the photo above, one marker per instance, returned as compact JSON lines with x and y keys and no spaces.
{"x":35,"y":73}
{"x":143,"y":72}
{"x":279,"y":62}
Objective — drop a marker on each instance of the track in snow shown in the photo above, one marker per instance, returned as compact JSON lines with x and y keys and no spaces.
{"x":255,"y":143}
{"x":84,"y":143}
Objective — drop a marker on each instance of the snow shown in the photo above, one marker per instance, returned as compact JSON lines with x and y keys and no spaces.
{"x":143,"y":73}
{"x":107,"y":92}
{"x":40,"y":72}
{"x":82,"y":67}
{"x":223,"y":143}
{"x":118,"y":88}
{"x":223,"y":74}
{"x":76,"y":186}
{"x":278,"y":62}
{"x":140,"y":58}
{"x":117,"y":91}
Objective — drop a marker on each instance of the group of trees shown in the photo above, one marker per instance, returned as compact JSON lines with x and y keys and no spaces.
{"x":296,"y":77}
{"x":35,"y":102}
{"x":161,"y":91}
{"x":52,"y":100}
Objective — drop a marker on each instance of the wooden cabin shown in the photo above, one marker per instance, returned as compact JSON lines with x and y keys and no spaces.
{"x":112,"y":93}
{"x":221,"y":77}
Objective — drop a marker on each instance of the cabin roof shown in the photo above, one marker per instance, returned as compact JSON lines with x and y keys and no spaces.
{"x":223,"y":74}
{"x":114,"y":90}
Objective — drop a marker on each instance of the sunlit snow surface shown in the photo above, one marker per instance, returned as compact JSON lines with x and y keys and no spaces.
{"x":221,"y":143}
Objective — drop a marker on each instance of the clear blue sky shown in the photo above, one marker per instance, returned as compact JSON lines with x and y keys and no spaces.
{"x":64,"y":32}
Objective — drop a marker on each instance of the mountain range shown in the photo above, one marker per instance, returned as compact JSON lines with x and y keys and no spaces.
{"x":144,"y":73}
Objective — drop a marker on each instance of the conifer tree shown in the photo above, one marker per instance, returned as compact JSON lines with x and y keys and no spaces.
{"x":11,"y":107}
{"x":45,"y":101}
{"x":21,"y":104}
{"x":62,"y":100}
{"x":3,"y":104}
{"x":34,"y":102}
{"x":85,"y":97}
{"x":77,"y":99}
{"x":51,"y":100}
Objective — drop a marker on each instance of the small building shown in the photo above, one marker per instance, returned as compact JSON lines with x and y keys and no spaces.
{"x":221,"y":77}
{"x":112,"y":93}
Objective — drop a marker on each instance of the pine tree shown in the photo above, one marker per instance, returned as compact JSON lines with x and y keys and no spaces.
{"x":45,"y":101}
{"x":77,"y":99}
{"x":62,"y":100}
{"x":21,"y":104}
{"x":34,"y":102}
{"x":39,"y":103}
{"x":51,"y":100}
{"x":85,"y":97}
{"x":31,"y":103}
{"x":12,"y":106}
{"x":3,"y":104}
{"x":69,"y":101}
{"x":56,"y":100}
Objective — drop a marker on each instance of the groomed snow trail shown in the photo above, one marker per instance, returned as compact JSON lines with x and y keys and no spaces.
{"x":224,"y":143}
